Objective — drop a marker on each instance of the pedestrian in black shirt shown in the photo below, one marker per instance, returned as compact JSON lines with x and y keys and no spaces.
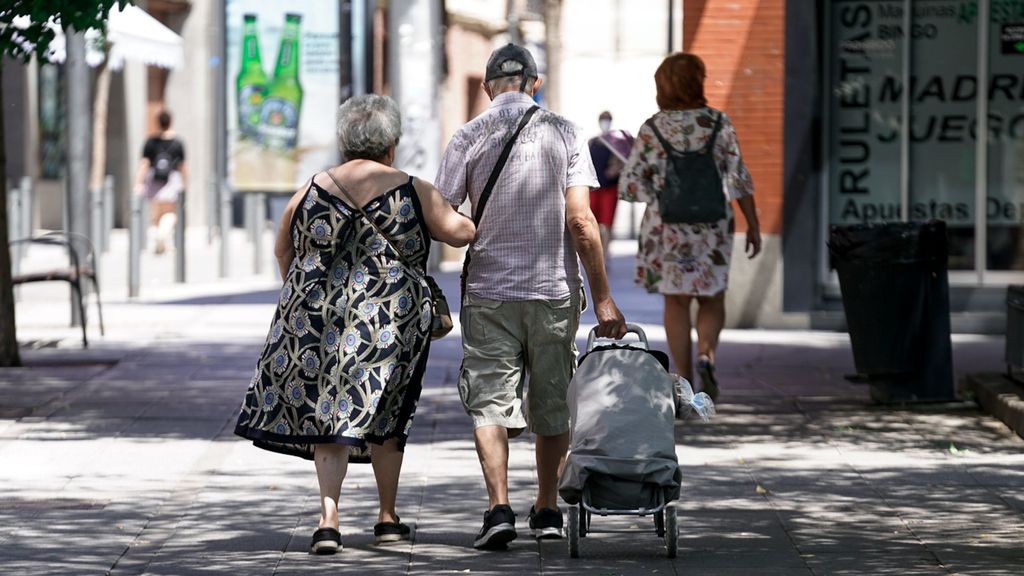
{"x":161,"y":178}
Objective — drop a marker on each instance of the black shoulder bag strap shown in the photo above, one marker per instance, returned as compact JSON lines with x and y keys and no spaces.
{"x":491,"y":181}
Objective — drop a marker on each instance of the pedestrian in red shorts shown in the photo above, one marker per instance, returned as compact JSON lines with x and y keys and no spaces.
{"x":609,"y":151}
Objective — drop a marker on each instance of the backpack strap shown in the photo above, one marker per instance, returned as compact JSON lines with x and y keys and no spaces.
{"x":668,"y":147}
{"x":664,"y":143}
{"x":714,"y":134}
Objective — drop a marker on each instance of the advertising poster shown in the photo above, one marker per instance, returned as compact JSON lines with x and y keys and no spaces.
{"x":282,"y":91}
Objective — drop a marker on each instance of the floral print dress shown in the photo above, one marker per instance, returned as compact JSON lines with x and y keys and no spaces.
{"x":688,"y":259}
{"x":344,"y":359}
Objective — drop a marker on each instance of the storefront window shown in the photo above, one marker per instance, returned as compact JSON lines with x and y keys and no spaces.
{"x":1005,"y":202}
{"x":51,"y":120}
{"x":943,"y":120}
{"x":883,"y":168}
{"x":864,"y":113}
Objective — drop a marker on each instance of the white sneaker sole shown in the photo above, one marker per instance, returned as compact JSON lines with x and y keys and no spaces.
{"x":546,"y":533}
{"x":497,"y":536}
{"x":326,"y":547}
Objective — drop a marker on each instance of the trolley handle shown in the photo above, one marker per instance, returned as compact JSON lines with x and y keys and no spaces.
{"x":630,"y":328}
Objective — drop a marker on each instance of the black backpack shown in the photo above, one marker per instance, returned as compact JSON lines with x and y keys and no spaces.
{"x":693,"y":187}
{"x":164,"y":162}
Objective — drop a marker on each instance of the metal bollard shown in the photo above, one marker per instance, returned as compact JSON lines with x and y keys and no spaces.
{"x":144,"y":204}
{"x":212,"y":209}
{"x":225,"y":229}
{"x":26,"y":206}
{"x":108,"y":211}
{"x":259,"y":216}
{"x":96,"y":217}
{"x":135,"y":225}
{"x":179,"y":239}
{"x":15,"y":228}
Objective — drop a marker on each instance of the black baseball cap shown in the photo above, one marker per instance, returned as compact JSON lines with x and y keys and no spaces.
{"x":510,"y":60}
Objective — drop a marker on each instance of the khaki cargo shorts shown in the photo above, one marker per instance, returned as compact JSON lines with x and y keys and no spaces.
{"x":507,"y":343}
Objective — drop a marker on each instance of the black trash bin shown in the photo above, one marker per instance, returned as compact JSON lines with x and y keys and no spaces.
{"x":1014,"y":328}
{"x":895,"y":287}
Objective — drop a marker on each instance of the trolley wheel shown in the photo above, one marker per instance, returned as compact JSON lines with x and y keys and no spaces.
{"x":659,"y":523}
{"x":584,"y":521}
{"x":671,"y":531}
{"x":574,"y":532}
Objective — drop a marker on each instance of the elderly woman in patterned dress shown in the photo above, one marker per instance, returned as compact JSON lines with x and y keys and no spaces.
{"x":683,"y":261}
{"x":343,"y":364}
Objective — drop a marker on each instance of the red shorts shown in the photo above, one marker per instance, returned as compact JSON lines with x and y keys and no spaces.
{"x":602,"y":204}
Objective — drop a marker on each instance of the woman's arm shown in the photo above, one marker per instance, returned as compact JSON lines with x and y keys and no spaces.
{"x":444,"y":222}
{"x":753,"y":246}
{"x":284,"y":250}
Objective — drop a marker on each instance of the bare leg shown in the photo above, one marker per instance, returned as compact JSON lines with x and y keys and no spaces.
{"x":492,"y":450}
{"x":387,"y":466}
{"x":331,"y":465}
{"x":550,"y":459}
{"x":677,"y":332}
{"x":710,"y":321}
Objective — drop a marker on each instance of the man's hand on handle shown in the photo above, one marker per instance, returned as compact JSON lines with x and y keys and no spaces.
{"x":610,"y":322}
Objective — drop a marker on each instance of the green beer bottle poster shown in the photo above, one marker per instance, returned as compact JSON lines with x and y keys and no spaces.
{"x":276,"y":133}
{"x":251,"y":82}
{"x":279,"y":114}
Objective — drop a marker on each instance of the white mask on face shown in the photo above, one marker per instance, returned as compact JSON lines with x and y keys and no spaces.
{"x":605,"y":125}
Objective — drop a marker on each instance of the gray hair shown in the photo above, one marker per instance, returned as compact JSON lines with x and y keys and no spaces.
{"x":499,"y":85}
{"x":367,"y":126}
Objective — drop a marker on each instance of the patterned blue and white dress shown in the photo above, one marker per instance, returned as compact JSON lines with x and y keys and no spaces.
{"x":345,"y":356}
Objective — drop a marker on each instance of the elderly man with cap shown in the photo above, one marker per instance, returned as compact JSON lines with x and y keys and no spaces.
{"x":528,"y":174}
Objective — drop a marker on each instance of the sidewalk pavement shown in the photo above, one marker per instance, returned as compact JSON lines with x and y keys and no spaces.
{"x":120,"y":459}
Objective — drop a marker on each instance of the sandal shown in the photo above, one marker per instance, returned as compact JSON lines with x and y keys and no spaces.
{"x":708,"y":383}
{"x":325,"y":541}
{"x":387,"y":532}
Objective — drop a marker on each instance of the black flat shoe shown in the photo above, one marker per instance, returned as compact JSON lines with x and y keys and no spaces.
{"x":325,"y":541}
{"x":387,"y":532}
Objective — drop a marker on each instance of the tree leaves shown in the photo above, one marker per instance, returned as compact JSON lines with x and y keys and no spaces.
{"x":22,"y":41}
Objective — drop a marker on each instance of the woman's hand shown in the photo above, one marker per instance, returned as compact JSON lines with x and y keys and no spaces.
{"x":753,"y":241}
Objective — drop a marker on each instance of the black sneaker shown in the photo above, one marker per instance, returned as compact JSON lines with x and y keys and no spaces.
{"x":499,"y":529}
{"x":546,"y":523}
{"x":386,"y":532}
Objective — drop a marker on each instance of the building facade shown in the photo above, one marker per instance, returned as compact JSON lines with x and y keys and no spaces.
{"x":847,"y":111}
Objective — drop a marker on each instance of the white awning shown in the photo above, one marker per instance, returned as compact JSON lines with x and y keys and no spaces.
{"x":136,"y":36}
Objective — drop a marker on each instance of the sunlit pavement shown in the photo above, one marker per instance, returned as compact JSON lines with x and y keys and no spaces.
{"x":120,"y":459}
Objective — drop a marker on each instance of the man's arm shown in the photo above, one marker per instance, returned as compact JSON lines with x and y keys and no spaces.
{"x":587,"y":241}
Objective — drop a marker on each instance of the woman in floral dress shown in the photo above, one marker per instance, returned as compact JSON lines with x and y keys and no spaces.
{"x":343,"y":364}
{"x":686,"y":262}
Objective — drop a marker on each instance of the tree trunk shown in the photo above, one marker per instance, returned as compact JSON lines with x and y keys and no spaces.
{"x":100,"y":105}
{"x":553,"y":40}
{"x":8,"y":334}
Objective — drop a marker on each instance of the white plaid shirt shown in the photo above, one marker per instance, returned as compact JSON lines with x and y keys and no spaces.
{"x":523,"y":250}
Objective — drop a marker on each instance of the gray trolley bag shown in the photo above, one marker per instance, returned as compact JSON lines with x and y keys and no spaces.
{"x":622,"y":458}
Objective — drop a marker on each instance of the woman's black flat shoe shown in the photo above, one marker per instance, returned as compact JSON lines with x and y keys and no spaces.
{"x":325,"y":541}
{"x":387,"y":532}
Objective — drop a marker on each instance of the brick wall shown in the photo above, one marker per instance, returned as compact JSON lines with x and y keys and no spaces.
{"x":742,"y":44}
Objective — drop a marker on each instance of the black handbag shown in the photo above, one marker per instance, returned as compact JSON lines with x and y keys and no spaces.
{"x":441,"y":315}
